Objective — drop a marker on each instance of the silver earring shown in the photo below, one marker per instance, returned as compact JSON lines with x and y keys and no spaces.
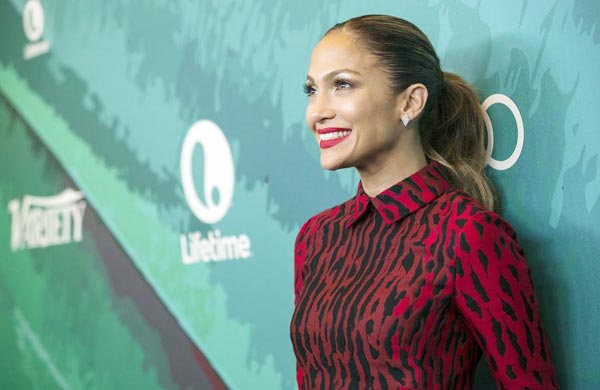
{"x":405,"y":119}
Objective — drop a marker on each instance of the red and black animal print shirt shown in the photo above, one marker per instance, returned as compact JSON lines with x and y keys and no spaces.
{"x":407,"y":289}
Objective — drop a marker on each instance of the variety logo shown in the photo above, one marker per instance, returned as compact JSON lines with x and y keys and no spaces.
{"x":512,"y":159}
{"x":217,"y":193}
{"x":33,"y":25}
{"x":40,"y":222}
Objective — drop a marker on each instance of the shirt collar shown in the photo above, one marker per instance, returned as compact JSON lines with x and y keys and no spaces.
{"x":404,"y":197}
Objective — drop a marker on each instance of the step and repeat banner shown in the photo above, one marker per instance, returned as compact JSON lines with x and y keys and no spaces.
{"x":155,"y":169}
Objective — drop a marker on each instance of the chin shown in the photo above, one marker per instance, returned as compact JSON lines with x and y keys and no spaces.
{"x":332,"y":165}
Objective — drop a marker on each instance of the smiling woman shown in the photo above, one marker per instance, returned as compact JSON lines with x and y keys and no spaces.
{"x":353,"y":106}
{"x":405,"y":285}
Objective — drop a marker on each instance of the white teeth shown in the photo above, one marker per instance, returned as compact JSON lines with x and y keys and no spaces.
{"x":334,"y":135}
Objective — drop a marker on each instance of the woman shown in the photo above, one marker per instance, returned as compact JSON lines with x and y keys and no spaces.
{"x":405,"y":285}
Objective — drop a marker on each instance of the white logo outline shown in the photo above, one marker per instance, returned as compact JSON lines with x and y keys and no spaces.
{"x":33,"y":26}
{"x":219,"y":171}
{"x":502,"y":165}
{"x":40,"y":222}
{"x":33,"y":20}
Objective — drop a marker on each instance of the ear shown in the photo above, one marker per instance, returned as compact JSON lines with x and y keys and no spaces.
{"x":412,"y":101}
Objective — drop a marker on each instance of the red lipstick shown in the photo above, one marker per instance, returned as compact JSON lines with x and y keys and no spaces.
{"x":328,"y":132}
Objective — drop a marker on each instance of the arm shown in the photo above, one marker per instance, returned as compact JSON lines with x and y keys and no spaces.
{"x":299,"y":257}
{"x":300,"y":248}
{"x":496,"y":296}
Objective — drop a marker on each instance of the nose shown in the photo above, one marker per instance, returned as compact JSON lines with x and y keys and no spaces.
{"x":318,"y":110}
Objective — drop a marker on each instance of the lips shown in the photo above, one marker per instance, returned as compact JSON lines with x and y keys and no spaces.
{"x":331,"y":136}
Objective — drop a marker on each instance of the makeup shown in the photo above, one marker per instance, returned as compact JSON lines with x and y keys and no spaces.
{"x":331,"y":136}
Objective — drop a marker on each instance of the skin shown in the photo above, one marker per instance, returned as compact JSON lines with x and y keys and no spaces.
{"x":347,"y":88}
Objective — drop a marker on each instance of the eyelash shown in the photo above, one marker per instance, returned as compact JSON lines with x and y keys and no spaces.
{"x":338,"y":84}
{"x":308,"y":89}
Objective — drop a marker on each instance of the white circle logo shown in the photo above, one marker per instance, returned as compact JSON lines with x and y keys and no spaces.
{"x":512,"y":159}
{"x":218,"y":171}
{"x":33,"y":20}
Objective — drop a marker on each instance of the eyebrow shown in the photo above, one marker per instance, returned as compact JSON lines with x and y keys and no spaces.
{"x":332,"y":74}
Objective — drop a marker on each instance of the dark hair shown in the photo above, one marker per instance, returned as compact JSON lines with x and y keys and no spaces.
{"x":451,"y":126}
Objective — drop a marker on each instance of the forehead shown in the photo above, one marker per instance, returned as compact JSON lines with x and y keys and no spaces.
{"x":338,"y":50}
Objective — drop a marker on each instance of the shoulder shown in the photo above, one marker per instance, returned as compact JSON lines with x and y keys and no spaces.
{"x":480,"y":235}
{"x":463,"y":210}
{"x":305,"y":240}
{"x":312,"y":225}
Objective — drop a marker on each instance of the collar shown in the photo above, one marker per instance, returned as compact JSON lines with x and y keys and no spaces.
{"x":404,"y":197}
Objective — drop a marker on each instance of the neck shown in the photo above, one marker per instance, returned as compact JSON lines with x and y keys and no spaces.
{"x":376,"y":178}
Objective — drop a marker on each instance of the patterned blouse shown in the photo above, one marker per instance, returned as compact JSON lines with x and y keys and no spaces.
{"x":407,"y":289}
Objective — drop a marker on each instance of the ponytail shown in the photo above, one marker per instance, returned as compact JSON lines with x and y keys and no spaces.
{"x":456,"y":139}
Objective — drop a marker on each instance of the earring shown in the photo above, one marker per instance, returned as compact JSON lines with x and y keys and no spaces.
{"x":405,"y":119}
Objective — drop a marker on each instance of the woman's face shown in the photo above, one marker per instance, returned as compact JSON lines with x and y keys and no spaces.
{"x":352,"y":110}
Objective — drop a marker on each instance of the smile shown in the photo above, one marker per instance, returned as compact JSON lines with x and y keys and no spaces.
{"x":332,"y":136}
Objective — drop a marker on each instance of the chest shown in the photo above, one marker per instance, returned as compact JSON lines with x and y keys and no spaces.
{"x":385,"y":285}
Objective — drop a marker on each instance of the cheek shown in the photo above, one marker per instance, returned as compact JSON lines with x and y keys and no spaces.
{"x":308,"y":118}
{"x":350,"y":111}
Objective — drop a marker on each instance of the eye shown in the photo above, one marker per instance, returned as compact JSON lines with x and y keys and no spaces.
{"x":309,"y":90}
{"x":342,"y":84}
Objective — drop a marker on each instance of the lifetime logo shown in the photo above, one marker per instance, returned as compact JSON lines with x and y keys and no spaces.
{"x":218,"y":188}
{"x":218,"y":171}
{"x":40,"y":222}
{"x":33,"y":26}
